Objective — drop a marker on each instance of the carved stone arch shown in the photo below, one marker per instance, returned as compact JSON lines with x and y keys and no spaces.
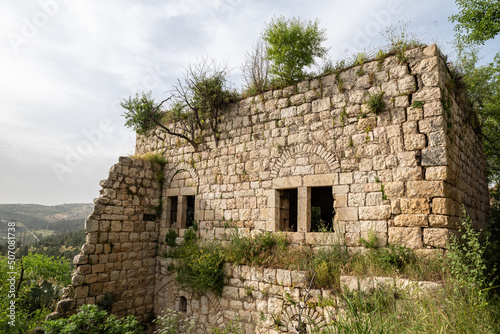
{"x":180,"y":167}
{"x":303,"y":149}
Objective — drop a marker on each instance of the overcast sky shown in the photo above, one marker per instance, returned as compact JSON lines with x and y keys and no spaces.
{"x":66,"y":64}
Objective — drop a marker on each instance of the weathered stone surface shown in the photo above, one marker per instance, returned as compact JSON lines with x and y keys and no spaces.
{"x":410,"y":237}
{"x":415,"y":205}
{"x":436,"y":237}
{"x":434,"y":156}
{"x":375,"y":212}
{"x":398,"y":174}
{"x":424,"y":188}
{"x":411,"y":220}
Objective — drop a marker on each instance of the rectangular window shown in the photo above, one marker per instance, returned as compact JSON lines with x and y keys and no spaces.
{"x":172,"y":214}
{"x":288,"y":210}
{"x":189,"y":211}
{"x":322,"y":212}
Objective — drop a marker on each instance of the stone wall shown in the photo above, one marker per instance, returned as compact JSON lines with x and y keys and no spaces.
{"x":257,"y":297}
{"x":401,"y":173}
{"x":119,"y":256}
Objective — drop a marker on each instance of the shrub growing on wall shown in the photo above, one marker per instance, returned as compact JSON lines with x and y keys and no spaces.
{"x":292,"y":45}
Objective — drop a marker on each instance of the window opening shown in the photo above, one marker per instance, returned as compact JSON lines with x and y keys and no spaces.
{"x":182,"y":304}
{"x":173,"y":201}
{"x":322,"y":212}
{"x":288,"y":210}
{"x":190,"y":211}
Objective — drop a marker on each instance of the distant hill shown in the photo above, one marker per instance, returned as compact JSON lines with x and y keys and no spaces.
{"x":34,"y":221}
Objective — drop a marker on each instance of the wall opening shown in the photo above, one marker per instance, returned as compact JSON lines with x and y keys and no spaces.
{"x":182,"y":304}
{"x":172,"y":214}
{"x":288,"y":210}
{"x":189,"y":211}
{"x":322,"y":211}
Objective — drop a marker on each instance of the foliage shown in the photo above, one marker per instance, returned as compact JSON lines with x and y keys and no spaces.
{"x":254,"y":251}
{"x":396,"y":256}
{"x":483,"y":90}
{"x":90,"y":319}
{"x":200,"y":267}
{"x":256,"y":68}
{"x":400,"y":40}
{"x":372,"y":241}
{"x":170,"y":322}
{"x":231,"y":327}
{"x":291,"y":46}
{"x":152,"y":157}
{"x":466,"y":257}
{"x":39,"y":285}
{"x":205,"y":93}
{"x":170,"y":238}
{"x":376,"y":103}
{"x":477,"y":21}
{"x":39,"y":267}
{"x":197,"y":105}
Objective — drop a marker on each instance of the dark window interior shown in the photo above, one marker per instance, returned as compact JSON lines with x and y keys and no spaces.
{"x":288,"y":210}
{"x":173,"y":211}
{"x":190,"y":212}
{"x":322,"y":212}
{"x":182,"y":304}
{"x":148,"y":217}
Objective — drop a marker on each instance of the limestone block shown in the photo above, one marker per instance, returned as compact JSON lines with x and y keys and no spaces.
{"x":415,"y":205}
{"x":344,"y":189}
{"x":352,"y":239}
{"x":283,"y":277}
{"x":411,"y":220}
{"x":425,"y":189}
{"x":436,"y":237}
{"x":345,"y":178}
{"x":373,"y":198}
{"x":410,"y":237}
{"x":299,"y":279}
{"x":287,"y":182}
{"x":434,"y":156}
{"x":347,"y":213}
{"x":414,"y":142}
{"x":394,"y":189}
{"x":377,"y":226}
{"x":81,"y":292}
{"x":407,"y":173}
{"x":378,"y":212}
{"x":321,"y":104}
{"x":356,"y":199}
{"x":430,"y":125}
{"x":320,"y":180}
{"x":349,"y":282}
{"x":414,"y":114}
{"x":443,"y":221}
{"x":95,"y":289}
{"x":407,"y":159}
{"x":445,"y":206}
{"x":80,"y":259}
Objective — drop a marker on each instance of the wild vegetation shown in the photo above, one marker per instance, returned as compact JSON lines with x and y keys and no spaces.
{"x":467,"y":303}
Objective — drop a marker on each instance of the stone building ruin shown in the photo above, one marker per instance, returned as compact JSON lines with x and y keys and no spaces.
{"x":295,"y":160}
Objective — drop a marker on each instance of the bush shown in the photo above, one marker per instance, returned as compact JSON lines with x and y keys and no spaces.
{"x":465,"y":255}
{"x":90,"y":319}
{"x":200,"y":267}
{"x":170,"y":322}
{"x":376,"y":103}
{"x":291,"y":46}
